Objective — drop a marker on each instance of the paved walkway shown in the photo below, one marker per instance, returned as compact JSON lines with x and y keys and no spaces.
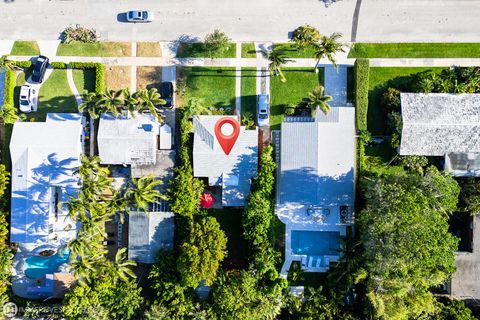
{"x":336,"y":85}
{"x":48,"y":47}
{"x":6,"y":46}
{"x":73,"y":87}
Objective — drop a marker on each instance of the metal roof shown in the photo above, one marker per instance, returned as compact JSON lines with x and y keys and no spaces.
{"x":438,"y":123}
{"x":44,"y":156}
{"x":148,"y":233}
{"x":210,"y":161}
{"x":127,"y":139}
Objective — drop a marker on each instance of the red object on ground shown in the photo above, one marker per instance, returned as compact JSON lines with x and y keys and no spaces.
{"x":206,"y":200}
{"x":227,"y":142}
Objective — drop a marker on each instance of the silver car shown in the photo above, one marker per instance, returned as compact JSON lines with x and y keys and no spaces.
{"x":139,"y":16}
{"x":263,"y":110}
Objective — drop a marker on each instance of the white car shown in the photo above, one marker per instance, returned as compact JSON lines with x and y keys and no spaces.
{"x":263,"y":110}
{"x":26,"y":101}
{"x":139,"y":16}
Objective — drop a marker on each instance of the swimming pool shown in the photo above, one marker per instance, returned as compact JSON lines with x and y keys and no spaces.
{"x":315,"y":243}
{"x":38,"y":266}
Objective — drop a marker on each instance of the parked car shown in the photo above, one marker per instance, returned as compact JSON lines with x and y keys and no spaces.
{"x":263,"y":110}
{"x":26,"y":103}
{"x":166,"y":91}
{"x":39,"y":69}
{"x":139,"y":16}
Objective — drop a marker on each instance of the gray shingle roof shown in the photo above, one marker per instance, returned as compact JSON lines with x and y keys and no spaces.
{"x":212,"y":163}
{"x":438,"y":123}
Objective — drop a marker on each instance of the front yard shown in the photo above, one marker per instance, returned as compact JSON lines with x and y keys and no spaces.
{"x":300,"y":81}
{"x":197,"y":50}
{"x":97,"y":49}
{"x":415,"y":50}
{"x":25,"y":48}
{"x":216,"y":86}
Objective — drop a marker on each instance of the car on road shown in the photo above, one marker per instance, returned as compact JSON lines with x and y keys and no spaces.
{"x":166,"y":91}
{"x":39,"y":69}
{"x":263,"y":110}
{"x":26,"y":103}
{"x":139,"y":16}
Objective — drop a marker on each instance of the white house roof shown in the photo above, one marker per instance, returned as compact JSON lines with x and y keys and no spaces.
{"x":210,"y":161}
{"x":317,"y":163}
{"x":127,"y":139}
{"x":435,"y":124}
{"x":44,"y":157}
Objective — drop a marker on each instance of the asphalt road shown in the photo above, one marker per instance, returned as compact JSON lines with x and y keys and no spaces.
{"x":258,"y":20}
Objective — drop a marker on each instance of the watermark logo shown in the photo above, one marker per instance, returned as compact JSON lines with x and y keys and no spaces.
{"x":10,"y":309}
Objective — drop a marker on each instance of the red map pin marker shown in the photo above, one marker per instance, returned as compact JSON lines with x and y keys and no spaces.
{"x":227,"y":142}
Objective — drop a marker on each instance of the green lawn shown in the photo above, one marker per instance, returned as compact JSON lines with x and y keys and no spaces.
{"x":215,"y":85}
{"x":84,"y":80}
{"x":249,"y":90}
{"x":196,"y":50}
{"x":300,"y":81}
{"x":380,"y":79}
{"x":55,"y":96}
{"x":25,"y":48}
{"x":291,"y":50}
{"x":98,"y":49}
{"x":230,"y":221}
{"x":415,"y":50}
{"x":248,"y":50}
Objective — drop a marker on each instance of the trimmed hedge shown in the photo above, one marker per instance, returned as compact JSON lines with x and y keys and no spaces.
{"x":23,"y":64}
{"x":99,"y":73}
{"x":9,"y":87}
{"x":362,"y":69}
{"x":58,"y":65}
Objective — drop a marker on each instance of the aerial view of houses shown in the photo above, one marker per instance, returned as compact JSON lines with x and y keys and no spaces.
{"x":250,"y":160}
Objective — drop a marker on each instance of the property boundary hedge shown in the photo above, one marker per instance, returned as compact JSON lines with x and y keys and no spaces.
{"x":99,"y":73}
{"x":362,"y":69}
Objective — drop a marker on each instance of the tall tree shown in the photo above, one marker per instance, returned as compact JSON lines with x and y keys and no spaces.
{"x":277,"y":60}
{"x":328,"y":47}
{"x":110,"y":101}
{"x":404,"y":228}
{"x":90,"y":104}
{"x":143,"y":191}
{"x":149,"y":100}
{"x":216,"y":43}
{"x":202,"y":252}
{"x":317,"y":100}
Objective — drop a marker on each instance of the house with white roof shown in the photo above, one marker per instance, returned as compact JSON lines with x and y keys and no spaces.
{"x":131,"y":140}
{"x":233,"y":172}
{"x":45,"y":157}
{"x":315,"y":186}
{"x":445,"y":125}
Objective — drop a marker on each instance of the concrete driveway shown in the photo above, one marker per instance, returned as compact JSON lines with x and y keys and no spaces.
{"x":37,"y":86}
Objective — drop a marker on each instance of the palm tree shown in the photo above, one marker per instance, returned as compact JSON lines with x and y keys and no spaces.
{"x":317,"y":100}
{"x":148,"y":100}
{"x":110,"y":101}
{"x":328,"y":47}
{"x":5,"y":63}
{"x":130,"y":101}
{"x":277,"y":59}
{"x":143,"y":192}
{"x":90,"y":104}
{"x":121,"y":268}
{"x":8,"y":114}
{"x":195,"y":106}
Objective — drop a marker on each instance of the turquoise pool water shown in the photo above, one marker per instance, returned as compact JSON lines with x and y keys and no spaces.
{"x":38,"y":266}
{"x":315,"y":243}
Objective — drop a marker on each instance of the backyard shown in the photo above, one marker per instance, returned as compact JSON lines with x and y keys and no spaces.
{"x":300,"y":81}
{"x":216,"y":86}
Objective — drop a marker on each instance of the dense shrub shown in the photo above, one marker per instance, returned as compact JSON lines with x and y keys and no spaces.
{"x":305,"y":36}
{"x":216,"y":43}
{"x":391,"y":100}
{"x":58,"y":65}
{"x":413,"y":163}
{"x":78,"y":34}
{"x":394,"y":122}
{"x":362,"y":69}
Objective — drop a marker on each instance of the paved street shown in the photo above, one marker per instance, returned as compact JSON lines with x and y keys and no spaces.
{"x":258,"y":20}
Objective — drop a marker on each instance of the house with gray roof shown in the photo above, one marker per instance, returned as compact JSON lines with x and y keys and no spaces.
{"x":232,"y":173}
{"x":445,"y":125}
{"x":130,"y":140}
{"x":315,"y":186}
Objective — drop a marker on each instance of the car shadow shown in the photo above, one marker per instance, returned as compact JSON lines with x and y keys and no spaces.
{"x":122,"y":17}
